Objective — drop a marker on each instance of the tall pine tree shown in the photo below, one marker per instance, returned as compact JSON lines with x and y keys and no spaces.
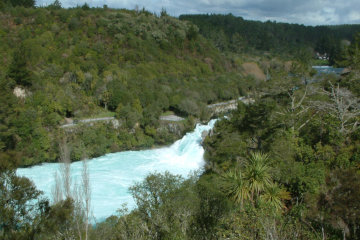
{"x":18,"y":69}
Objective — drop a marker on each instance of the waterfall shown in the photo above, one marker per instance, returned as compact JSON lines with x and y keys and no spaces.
{"x":112,"y":174}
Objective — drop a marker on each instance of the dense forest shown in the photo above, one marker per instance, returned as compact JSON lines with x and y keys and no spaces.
{"x":284,"y":167}
{"x":235,"y":34}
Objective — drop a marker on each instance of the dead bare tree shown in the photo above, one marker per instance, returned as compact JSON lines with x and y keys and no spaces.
{"x":296,"y":110}
{"x":62,"y":189}
{"x":82,"y":198}
{"x":65,"y":167}
{"x":86,"y":194}
{"x":78,"y":210}
{"x":343,"y":106}
{"x":79,"y":192}
{"x":56,"y":192}
{"x":62,"y":185}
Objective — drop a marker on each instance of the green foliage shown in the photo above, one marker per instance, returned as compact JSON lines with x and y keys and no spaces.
{"x":254,"y":183}
{"x":18,"y":206}
{"x":23,"y":3}
{"x":58,"y":220}
{"x":55,"y":5}
{"x":169,"y":207}
{"x":134,"y":65}
{"x":350,"y":55}
{"x":336,"y":207}
{"x":18,"y":69}
{"x":258,"y":173}
{"x":25,"y":214}
{"x":309,"y":158}
{"x":234,"y":34}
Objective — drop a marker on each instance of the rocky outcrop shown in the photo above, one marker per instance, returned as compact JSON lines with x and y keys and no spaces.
{"x":204,"y":134}
{"x":224,"y":107}
{"x":171,"y":118}
{"x":20,"y":92}
{"x":114,"y":121}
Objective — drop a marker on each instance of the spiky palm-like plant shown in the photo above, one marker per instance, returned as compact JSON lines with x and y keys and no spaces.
{"x":257,"y":174}
{"x":235,"y":186}
{"x":274,"y":196}
{"x":254,"y":183}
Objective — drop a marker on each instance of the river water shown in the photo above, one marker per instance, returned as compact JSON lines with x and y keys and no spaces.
{"x":328,"y":70}
{"x":111,"y":175}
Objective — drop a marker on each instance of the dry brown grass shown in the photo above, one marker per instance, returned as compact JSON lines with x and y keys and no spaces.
{"x":252,"y":69}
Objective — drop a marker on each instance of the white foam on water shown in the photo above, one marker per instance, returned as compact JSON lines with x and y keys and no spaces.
{"x":111,"y":175}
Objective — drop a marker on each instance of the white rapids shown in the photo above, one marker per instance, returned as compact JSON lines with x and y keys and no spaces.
{"x":112,"y":174}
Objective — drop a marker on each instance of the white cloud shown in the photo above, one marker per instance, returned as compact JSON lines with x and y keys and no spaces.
{"x":353,"y":17}
{"x":308,"y":12}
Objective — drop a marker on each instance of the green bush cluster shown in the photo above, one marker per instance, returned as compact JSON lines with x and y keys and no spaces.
{"x":308,"y":152}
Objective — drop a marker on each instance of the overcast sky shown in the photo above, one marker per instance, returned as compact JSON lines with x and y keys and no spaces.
{"x":308,"y":12}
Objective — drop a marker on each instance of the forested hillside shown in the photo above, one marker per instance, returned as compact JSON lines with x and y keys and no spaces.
{"x":82,"y":63}
{"x":235,"y":34}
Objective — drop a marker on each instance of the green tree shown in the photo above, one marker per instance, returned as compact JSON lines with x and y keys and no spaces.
{"x":19,"y":206}
{"x":256,"y":121}
{"x":353,"y":55}
{"x":339,"y":203}
{"x":158,"y":206}
{"x":18,"y":70}
{"x":192,"y":32}
{"x":24,"y":3}
{"x":152,"y":192}
{"x":58,"y":222}
{"x":274,"y":196}
{"x":257,"y":174}
{"x":235,"y":186}
{"x":55,"y":5}
{"x":254,"y":183}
